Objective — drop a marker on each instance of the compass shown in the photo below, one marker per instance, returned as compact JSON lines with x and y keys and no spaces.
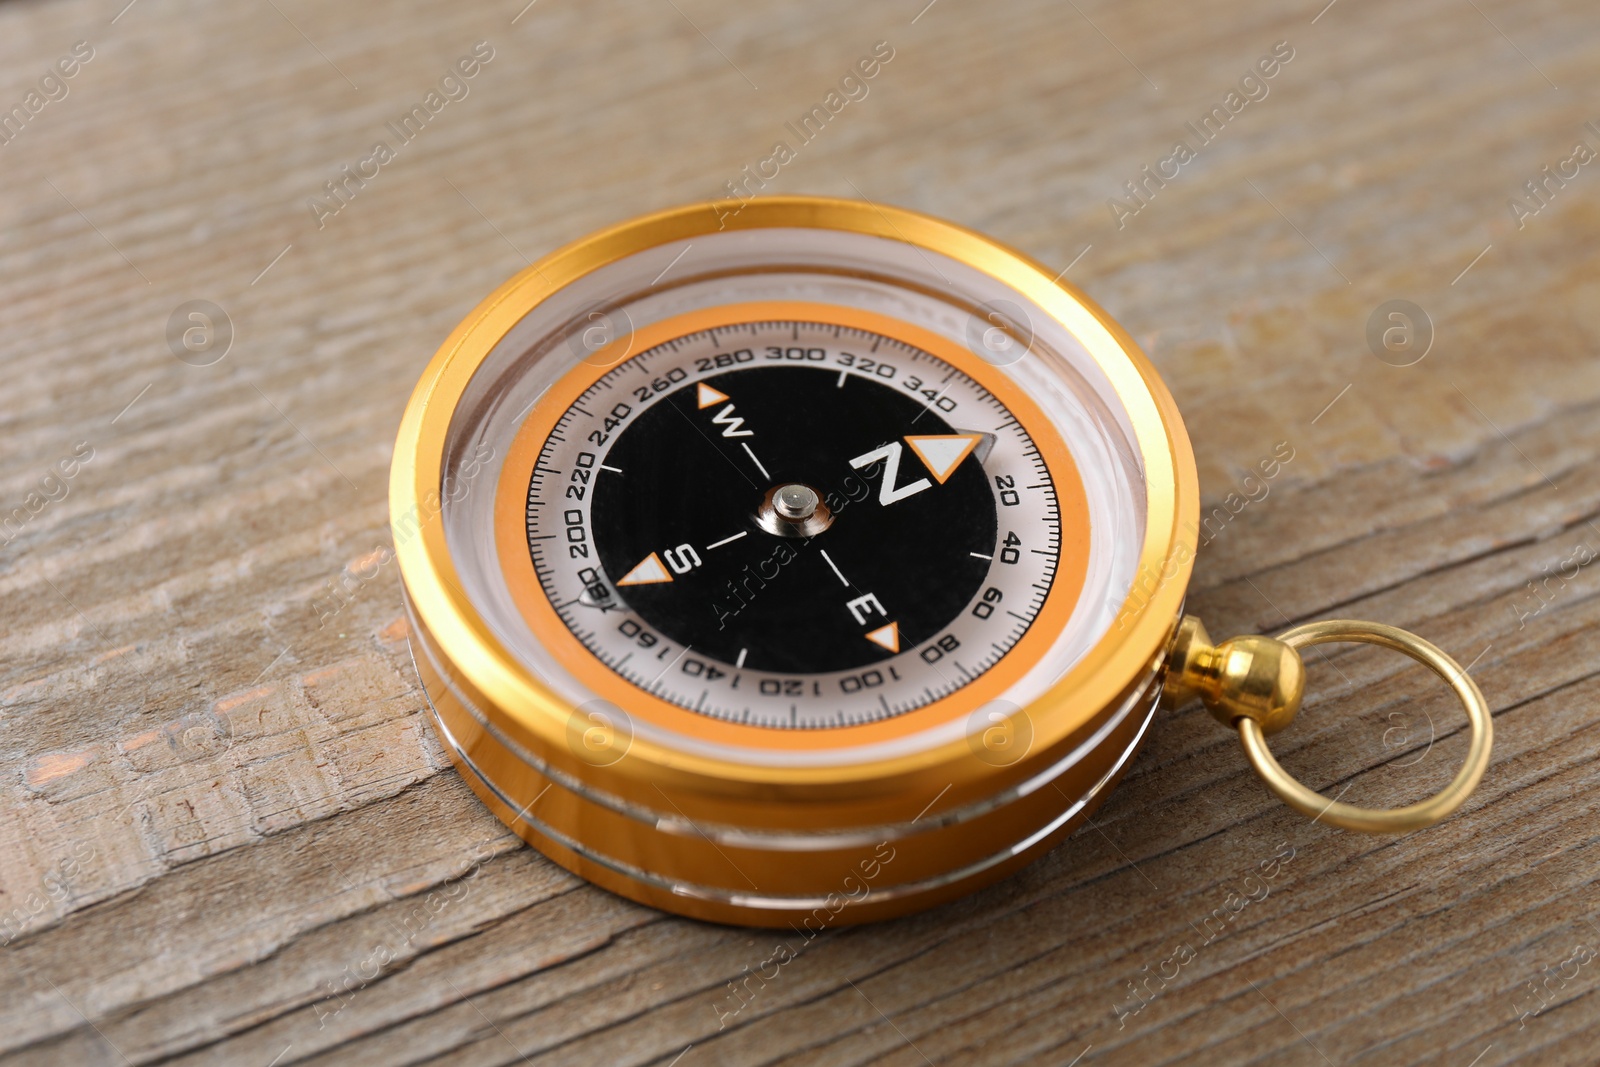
{"x":813,"y":566}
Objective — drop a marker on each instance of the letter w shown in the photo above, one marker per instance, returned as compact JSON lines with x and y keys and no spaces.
{"x":732,"y":422}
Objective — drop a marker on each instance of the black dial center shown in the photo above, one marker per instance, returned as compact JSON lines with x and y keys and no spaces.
{"x":903,"y":553}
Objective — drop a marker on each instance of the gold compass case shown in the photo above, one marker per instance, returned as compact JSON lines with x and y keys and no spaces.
{"x":832,"y":797}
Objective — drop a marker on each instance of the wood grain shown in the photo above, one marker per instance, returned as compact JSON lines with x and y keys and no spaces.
{"x":226,"y":834}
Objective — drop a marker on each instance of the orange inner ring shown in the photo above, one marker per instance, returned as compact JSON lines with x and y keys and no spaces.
{"x":516,"y":562}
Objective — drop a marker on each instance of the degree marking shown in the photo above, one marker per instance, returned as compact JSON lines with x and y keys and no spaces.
{"x":842,"y":580}
{"x":668,"y":667}
{"x":1010,"y":431}
{"x":927,"y":407}
{"x":726,"y":540}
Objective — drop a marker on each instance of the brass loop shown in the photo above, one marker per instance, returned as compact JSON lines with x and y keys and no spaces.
{"x":1375,"y":820}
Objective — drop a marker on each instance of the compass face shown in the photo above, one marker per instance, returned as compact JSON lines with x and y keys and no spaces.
{"x":803,"y":521}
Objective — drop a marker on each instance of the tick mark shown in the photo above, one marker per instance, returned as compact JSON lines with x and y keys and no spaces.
{"x":727,"y":540}
{"x":754,"y":460}
{"x":829,"y":559}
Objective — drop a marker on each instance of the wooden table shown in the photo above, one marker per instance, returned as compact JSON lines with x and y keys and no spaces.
{"x":217,"y":816}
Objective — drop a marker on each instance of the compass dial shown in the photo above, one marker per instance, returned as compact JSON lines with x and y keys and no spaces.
{"x":792,"y":522}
